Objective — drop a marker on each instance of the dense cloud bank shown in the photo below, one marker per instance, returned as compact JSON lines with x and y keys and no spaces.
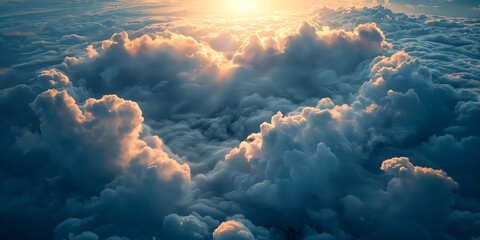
{"x":355,"y":124}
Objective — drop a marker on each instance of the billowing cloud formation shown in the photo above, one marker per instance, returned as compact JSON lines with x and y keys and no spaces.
{"x":101,"y":145}
{"x":352,"y":125}
{"x":301,"y":165}
{"x":190,"y":66}
{"x":97,"y":149}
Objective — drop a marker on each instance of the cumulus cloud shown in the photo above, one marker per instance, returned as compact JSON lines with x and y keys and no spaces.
{"x":92,"y":145}
{"x":232,"y":230}
{"x":312,"y":156}
{"x":187,"y":227}
{"x":195,"y":79}
{"x":52,"y":78}
{"x":97,"y":149}
{"x":300,"y":167}
{"x":232,"y":95}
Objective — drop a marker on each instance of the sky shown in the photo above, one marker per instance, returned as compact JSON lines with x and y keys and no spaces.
{"x":239,"y":120}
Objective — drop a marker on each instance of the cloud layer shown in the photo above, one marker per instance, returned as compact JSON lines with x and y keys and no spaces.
{"x":347,"y":124}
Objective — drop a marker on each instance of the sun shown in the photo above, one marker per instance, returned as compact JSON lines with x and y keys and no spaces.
{"x":242,"y":5}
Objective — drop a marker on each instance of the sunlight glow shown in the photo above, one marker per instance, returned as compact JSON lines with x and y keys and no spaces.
{"x":242,"y":5}
{"x":234,"y":8}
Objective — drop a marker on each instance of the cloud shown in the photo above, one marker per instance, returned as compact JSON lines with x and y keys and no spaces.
{"x":189,"y":56}
{"x":356,"y":123}
{"x":232,"y":230}
{"x":92,"y":146}
{"x":191,"y":70}
{"x":462,"y":8}
{"x":401,"y":89}
{"x":281,"y":182}
{"x":196,"y":80}
{"x":52,"y":78}
{"x":188,"y":227}
{"x":97,"y":149}
{"x":311,"y":156}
